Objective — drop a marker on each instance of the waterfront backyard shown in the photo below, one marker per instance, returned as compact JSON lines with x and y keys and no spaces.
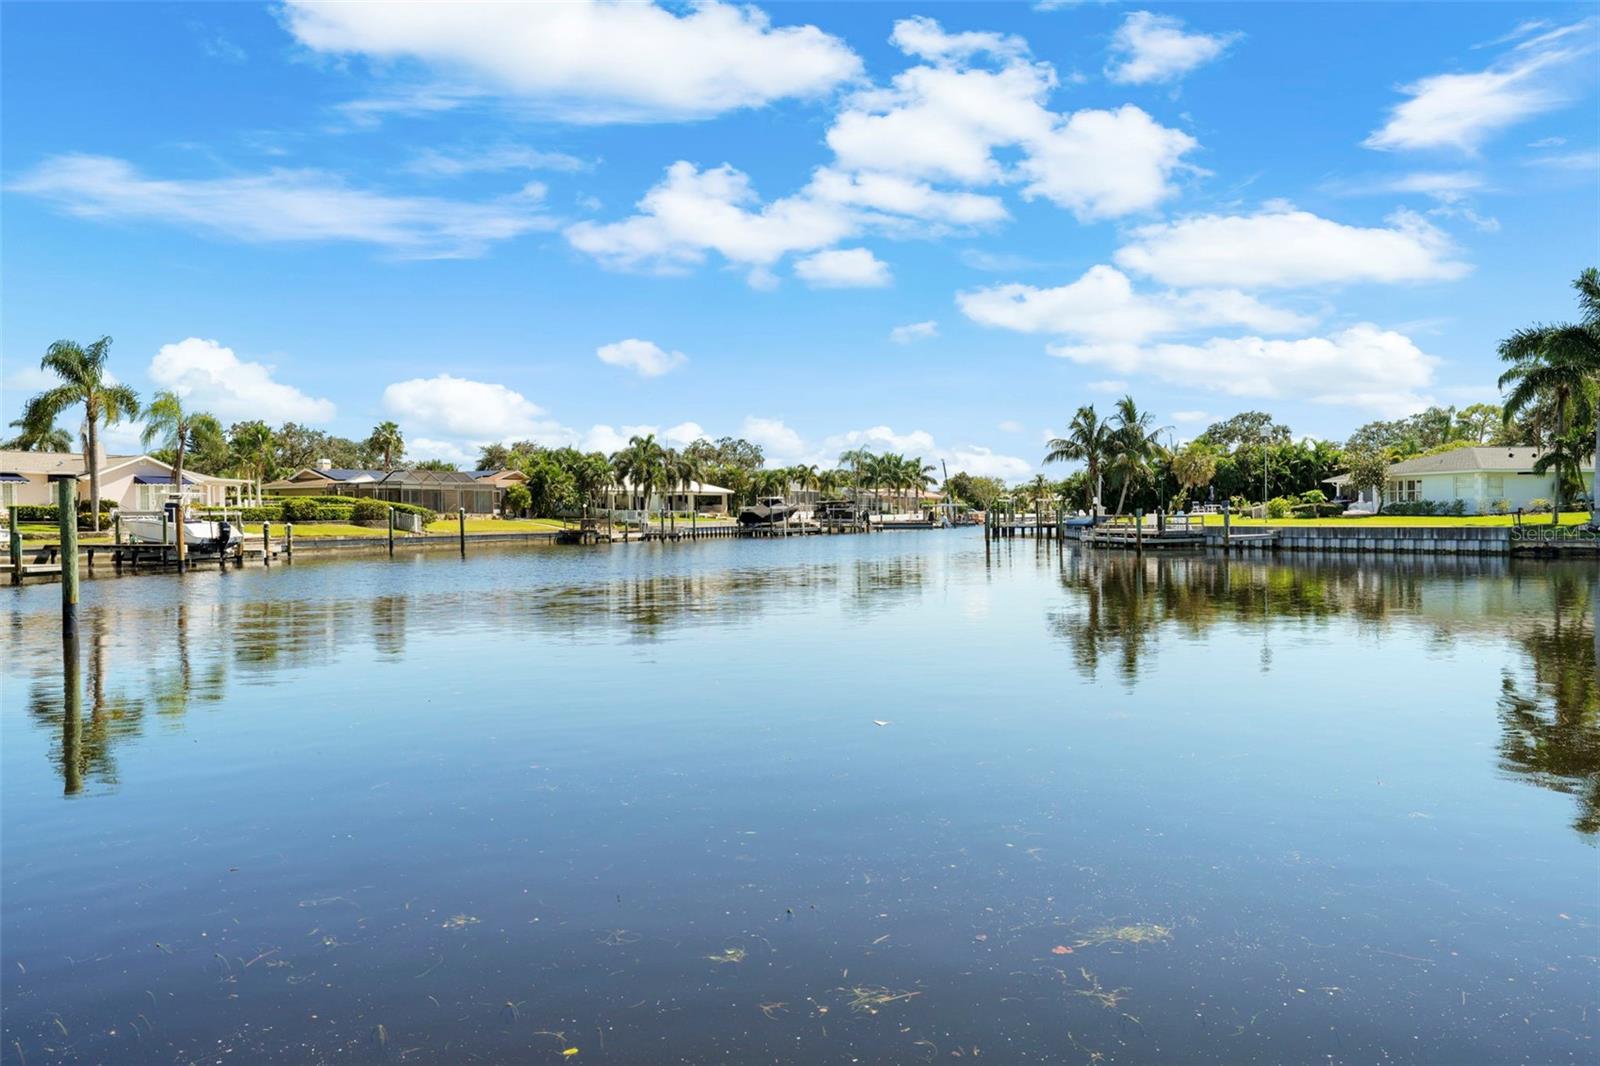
{"x":836,"y":799}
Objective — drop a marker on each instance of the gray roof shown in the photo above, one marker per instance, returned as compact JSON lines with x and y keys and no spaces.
{"x":1473,"y":460}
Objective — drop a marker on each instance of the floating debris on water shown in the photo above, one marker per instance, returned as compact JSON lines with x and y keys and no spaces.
{"x":870,"y":999}
{"x":460,"y":921}
{"x":1141,"y":933}
{"x":728,"y":955}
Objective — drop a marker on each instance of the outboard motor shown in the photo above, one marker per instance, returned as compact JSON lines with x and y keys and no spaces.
{"x":224,"y":534}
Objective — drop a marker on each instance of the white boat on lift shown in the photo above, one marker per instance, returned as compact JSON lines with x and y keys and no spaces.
{"x":201,"y":536}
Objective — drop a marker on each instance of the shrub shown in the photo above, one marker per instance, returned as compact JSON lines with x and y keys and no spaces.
{"x":1538,"y":505}
{"x":1278,"y":507}
{"x":1313,"y":496}
{"x":367,"y":509}
{"x":1499,"y":506}
{"x":300,"y":509}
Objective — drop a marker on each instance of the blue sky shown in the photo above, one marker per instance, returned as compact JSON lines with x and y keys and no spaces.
{"x":932,"y":228}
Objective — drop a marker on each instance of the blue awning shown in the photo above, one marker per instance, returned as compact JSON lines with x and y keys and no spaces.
{"x":13,"y":479}
{"x":160,"y":479}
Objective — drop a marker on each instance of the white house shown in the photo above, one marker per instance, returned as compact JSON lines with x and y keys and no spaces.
{"x":131,"y":482}
{"x":1486,"y":479}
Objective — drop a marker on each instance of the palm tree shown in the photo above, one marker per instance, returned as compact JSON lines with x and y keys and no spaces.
{"x":49,"y":439}
{"x":82,"y":370}
{"x":1137,"y":445}
{"x":388,"y":442}
{"x":1194,"y":465}
{"x":1560,"y":363}
{"x":919,"y":477}
{"x":1088,"y":440}
{"x":182,"y":432}
{"x":680,"y":472}
{"x":250,"y":445}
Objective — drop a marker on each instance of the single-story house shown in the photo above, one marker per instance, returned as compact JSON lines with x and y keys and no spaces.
{"x":131,"y":482}
{"x":1485,"y":479}
{"x":697,"y":496}
{"x":444,"y":491}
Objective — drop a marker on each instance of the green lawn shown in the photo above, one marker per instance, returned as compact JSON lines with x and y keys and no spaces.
{"x":1568,"y":518}
{"x":498,"y":525}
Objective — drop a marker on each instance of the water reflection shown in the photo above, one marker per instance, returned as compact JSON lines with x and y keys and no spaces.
{"x":435,"y":811}
{"x":1550,"y":712}
{"x":1123,"y":607}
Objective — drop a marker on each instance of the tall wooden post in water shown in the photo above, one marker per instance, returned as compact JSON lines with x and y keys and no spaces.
{"x":461,"y":529}
{"x":16,"y":549}
{"x":391,"y":531}
{"x":67,"y":512}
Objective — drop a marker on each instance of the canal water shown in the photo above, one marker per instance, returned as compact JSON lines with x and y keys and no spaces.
{"x":830,"y":800}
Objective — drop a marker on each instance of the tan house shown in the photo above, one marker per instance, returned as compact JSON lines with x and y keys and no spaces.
{"x":131,"y":482}
{"x":479,"y":491}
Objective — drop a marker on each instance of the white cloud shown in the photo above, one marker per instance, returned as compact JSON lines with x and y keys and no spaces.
{"x":591,"y":61}
{"x":898,"y":195}
{"x":1109,"y":386}
{"x":1461,"y":111}
{"x":645,"y":358}
{"x":1280,"y":246}
{"x":974,"y":459}
{"x":465,"y":456}
{"x":843,"y":268}
{"x":1010,"y":425}
{"x":682,"y":434}
{"x":1102,"y":305}
{"x":501,"y":157}
{"x":1104,"y":164}
{"x":914,"y":331}
{"x":778,"y":442}
{"x":1192,"y":418}
{"x":475,"y":410}
{"x":284,"y":205}
{"x":212,"y":378}
{"x":945,"y":122}
{"x":695,"y":211}
{"x":984,"y":462}
{"x":1154,"y":48}
{"x":954,"y":120}
{"x":924,"y":38}
{"x":1363,"y":366}
{"x":1579,"y":160}
{"x":1445,"y":186}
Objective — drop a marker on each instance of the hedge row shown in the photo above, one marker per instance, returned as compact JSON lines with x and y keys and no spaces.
{"x":324,"y":509}
{"x":49,"y":512}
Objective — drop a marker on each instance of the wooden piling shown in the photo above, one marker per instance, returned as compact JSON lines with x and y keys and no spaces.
{"x":16,"y":549}
{"x":67,"y":514}
{"x":288,"y":541}
{"x":71,"y":712}
{"x":461,"y":527}
{"x":1138,"y":530}
{"x":391,"y":531}
{"x":266,"y":544}
{"x":116,"y":527}
{"x":1227,"y":527}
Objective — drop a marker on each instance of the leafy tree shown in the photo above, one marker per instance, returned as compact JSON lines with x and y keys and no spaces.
{"x":494,"y":457}
{"x":726,"y":451}
{"x":1561,"y":363}
{"x":517,"y":500}
{"x":440,"y":465}
{"x":1247,"y":427}
{"x":1478,"y":422}
{"x":1368,"y":469}
{"x":82,"y":370}
{"x":976,"y":492}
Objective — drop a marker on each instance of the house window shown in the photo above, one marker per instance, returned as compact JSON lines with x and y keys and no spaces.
{"x":1404,"y":491}
{"x":1497,"y":486}
{"x":1461,"y":487}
